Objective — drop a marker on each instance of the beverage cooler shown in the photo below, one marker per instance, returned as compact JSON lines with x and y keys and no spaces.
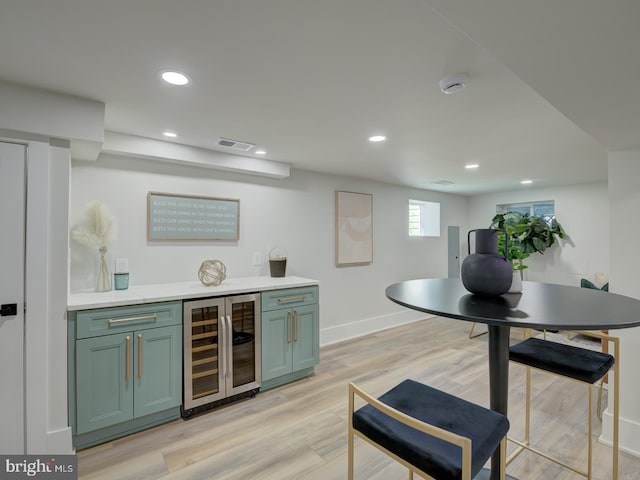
{"x":221,"y":350}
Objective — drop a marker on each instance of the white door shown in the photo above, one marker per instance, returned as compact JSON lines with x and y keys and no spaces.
{"x":453,"y":240}
{"x":12,"y":239}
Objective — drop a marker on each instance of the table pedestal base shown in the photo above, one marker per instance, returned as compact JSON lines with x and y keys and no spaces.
{"x":485,"y":474}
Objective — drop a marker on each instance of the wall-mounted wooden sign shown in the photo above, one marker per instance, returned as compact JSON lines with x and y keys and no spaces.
{"x":172,"y":217}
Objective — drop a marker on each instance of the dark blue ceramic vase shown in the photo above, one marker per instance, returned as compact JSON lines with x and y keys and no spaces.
{"x":485,"y":272}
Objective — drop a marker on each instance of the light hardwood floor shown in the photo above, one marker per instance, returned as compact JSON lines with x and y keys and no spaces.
{"x":298,"y":431}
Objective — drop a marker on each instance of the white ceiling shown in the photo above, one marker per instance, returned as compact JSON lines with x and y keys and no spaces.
{"x":310,"y":81}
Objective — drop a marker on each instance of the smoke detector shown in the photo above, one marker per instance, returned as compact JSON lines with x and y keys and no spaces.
{"x":235,"y":144}
{"x":452,"y":84}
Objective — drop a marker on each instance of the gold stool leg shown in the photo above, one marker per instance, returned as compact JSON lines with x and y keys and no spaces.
{"x":350,"y":457}
{"x":410,"y":474}
{"x":599,"y":405}
{"x":527,"y":424}
{"x":471,"y":335}
{"x":590,"y":449}
{"x":503,"y":458}
{"x":350,"y":437}
{"x":616,"y":408}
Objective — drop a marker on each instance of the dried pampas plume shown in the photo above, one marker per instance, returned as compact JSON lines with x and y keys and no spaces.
{"x":98,"y":228}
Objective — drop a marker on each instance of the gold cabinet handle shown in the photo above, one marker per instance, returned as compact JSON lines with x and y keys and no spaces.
{"x":139,"y":356}
{"x":297,"y":324}
{"x":294,"y":298}
{"x":127,"y":372}
{"x":132,"y":319}
{"x":290,"y":326}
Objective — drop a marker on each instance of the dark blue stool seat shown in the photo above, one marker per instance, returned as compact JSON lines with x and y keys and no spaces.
{"x":574,"y":362}
{"x":436,"y":457}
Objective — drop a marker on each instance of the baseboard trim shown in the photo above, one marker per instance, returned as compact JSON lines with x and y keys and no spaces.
{"x":89,"y":439}
{"x":284,"y":379}
{"x":59,"y":442}
{"x":365,"y":326}
{"x":629,"y":433}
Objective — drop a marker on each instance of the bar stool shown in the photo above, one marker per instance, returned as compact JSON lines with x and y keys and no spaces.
{"x":575,"y":363}
{"x":433,"y":434}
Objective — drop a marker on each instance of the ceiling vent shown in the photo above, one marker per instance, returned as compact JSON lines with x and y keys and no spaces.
{"x":443,"y":182}
{"x":235,"y":144}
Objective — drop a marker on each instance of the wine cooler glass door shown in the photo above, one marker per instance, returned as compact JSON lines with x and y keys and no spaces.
{"x":243,"y":324}
{"x":204,"y":364}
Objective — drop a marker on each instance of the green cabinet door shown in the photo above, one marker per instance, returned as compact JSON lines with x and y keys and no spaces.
{"x":104,"y":385}
{"x":277,"y":340}
{"x":307,"y":337}
{"x":157,"y":369}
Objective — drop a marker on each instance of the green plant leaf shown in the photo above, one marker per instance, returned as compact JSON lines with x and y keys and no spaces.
{"x":539,"y":244}
{"x":527,"y":235}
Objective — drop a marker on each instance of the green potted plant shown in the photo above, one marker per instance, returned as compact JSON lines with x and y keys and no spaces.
{"x":527,"y":235}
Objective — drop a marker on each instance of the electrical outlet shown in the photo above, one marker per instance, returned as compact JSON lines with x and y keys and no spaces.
{"x":257,"y":259}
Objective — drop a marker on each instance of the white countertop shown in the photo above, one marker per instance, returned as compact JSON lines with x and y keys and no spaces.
{"x":163,"y":292}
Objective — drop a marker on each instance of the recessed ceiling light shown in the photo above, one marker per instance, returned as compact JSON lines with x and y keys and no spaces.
{"x":471,"y":166}
{"x":261,"y":152}
{"x":526,"y":182}
{"x":377,"y":138}
{"x":175,"y":78}
{"x":170,"y":134}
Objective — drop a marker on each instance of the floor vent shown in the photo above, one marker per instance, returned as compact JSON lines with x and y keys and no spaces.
{"x":235,"y":144}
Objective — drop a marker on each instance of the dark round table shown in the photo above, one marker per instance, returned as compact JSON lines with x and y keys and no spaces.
{"x":540,"y":305}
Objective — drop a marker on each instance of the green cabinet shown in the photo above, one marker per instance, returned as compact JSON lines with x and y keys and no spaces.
{"x":157,"y":370}
{"x":290,"y":335}
{"x":125,"y":369}
{"x":104,"y":397}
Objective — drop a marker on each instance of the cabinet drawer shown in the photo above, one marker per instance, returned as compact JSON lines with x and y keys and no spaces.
{"x":289,"y":298}
{"x":104,"y":321}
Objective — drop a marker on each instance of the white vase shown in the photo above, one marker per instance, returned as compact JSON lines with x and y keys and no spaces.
{"x":103,"y":270}
{"x":516,"y":282}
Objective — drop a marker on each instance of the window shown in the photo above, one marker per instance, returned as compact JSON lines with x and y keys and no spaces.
{"x":544,"y":209}
{"x":424,"y":219}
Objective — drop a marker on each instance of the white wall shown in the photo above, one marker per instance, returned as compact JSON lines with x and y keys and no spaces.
{"x":624,"y":201}
{"x":295,"y":213}
{"x":582,"y":210}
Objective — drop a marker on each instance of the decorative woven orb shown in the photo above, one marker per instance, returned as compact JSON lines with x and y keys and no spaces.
{"x":212,"y":273}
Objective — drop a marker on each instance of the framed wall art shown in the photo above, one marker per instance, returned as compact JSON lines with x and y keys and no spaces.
{"x":175,"y":217}
{"x":354,"y":228}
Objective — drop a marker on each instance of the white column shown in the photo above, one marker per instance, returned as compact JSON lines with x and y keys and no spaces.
{"x":47,"y":426}
{"x":624,"y":227}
